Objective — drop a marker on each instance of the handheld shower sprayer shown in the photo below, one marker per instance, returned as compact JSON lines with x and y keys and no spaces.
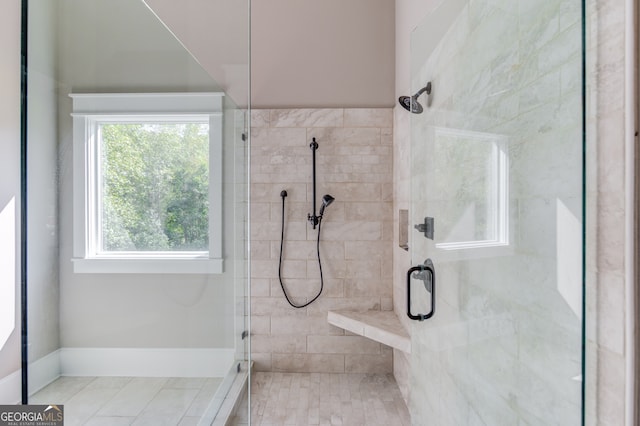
{"x":315,"y":220}
{"x":326,"y":200}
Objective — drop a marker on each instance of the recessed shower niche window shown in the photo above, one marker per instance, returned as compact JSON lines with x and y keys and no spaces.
{"x":474,"y":166}
{"x":147,"y":183}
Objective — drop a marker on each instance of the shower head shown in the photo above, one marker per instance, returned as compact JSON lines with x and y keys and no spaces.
{"x":410,"y":103}
{"x":326,"y":200}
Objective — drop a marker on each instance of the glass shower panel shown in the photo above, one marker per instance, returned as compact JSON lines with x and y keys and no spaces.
{"x":497,"y":178}
{"x":120,"y":341}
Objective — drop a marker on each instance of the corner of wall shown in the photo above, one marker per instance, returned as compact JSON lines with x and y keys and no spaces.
{"x":401,"y":257}
{"x":608,"y":320}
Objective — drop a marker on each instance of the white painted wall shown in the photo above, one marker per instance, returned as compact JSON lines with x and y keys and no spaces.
{"x":330,"y":53}
{"x":409,"y":13}
{"x":216,"y":33}
{"x":10,"y":187}
{"x":42,"y":183}
{"x":304,"y":53}
{"x":118,"y":45}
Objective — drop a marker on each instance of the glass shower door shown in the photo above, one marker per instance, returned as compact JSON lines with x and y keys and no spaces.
{"x":497,"y":196}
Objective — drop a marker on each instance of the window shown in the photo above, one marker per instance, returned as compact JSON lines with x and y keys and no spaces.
{"x":147,"y":183}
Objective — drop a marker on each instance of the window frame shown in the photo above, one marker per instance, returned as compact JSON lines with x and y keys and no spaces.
{"x":89,"y":111}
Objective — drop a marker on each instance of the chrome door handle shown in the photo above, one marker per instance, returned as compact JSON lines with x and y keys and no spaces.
{"x":427,"y":275}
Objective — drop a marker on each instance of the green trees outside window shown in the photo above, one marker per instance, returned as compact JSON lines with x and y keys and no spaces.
{"x":153,"y":187}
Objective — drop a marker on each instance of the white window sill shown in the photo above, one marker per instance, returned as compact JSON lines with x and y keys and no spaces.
{"x":147,"y":266}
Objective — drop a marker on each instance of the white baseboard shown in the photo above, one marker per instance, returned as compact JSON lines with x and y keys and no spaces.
{"x":41,"y":372}
{"x":134,"y":362}
{"x":11,"y":388}
{"x":143,"y":362}
{"x":44,"y":371}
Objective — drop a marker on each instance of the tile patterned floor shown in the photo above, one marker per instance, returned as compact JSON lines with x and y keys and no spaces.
{"x":277,"y":399}
{"x":115,"y":401}
{"x":324,"y":399}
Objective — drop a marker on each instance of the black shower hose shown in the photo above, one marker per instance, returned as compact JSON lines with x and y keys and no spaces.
{"x":283,"y":194}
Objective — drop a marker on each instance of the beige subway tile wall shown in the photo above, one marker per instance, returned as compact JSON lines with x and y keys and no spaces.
{"x":355,"y":165}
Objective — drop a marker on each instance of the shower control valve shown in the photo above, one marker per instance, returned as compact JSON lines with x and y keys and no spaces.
{"x":426,"y":228}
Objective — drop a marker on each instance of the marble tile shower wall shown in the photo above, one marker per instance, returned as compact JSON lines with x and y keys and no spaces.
{"x":606,"y":349}
{"x":354,"y":164}
{"x":511,"y":69}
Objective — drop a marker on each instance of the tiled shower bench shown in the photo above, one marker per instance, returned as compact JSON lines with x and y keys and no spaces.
{"x":381,"y":326}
